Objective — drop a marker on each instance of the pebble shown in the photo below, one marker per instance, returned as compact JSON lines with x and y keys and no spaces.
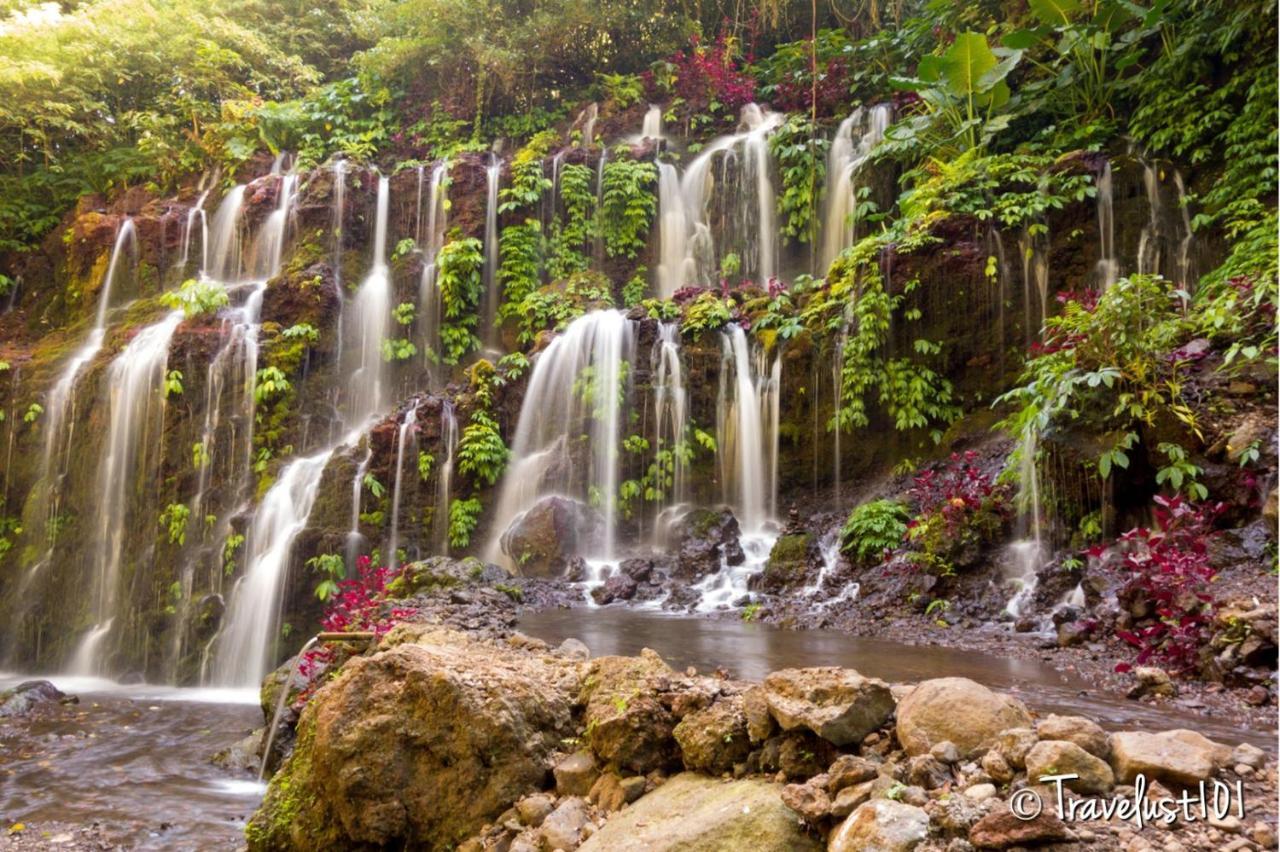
{"x":981,"y":792}
{"x":1263,"y":835}
{"x":1228,"y":823}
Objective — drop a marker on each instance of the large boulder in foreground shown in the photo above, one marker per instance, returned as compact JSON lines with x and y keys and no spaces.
{"x":627,"y":724}
{"x":839,"y":705}
{"x":957,"y":710}
{"x":1180,"y":757}
{"x":419,"y":745}
{"x":881,"y":825}
{"x":541,"y":542}
{"x":693,"y":813}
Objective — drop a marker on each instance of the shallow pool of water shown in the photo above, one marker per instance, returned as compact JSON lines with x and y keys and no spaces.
{"x":134,"y":759}
{"x":751,"y":651}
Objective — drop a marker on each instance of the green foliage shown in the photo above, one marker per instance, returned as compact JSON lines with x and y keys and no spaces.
{"x":570,"y":241}
{"x":173,"y":383}
{"x":627,"y":206}
{"x":271,"y":385}
{"x":527,"y":180}
{"x":458,"y":267}
{"x":801,"y":157}
{"x":636,"y":288}
{"x":196,"y":297}
{"x":426,"y":462}
{"x":520,"y":268}
{"x":708,"y":311}
{"x":553,"y":307}
{"x":482,"y":454}
{"x":1180,"y":474}
{"x":398,"y":349}
{"x":303,"y":331}
{"x":374,"y":487}
{"x":623,"y":90}
{"x":174,"y":518}
{"x":200,"y":455}
{"x":33,"y":412}
{"x":230,"y":547}
{"x":464,"y":515}
{"x":873,"y":528}
{"x":332,"y":569}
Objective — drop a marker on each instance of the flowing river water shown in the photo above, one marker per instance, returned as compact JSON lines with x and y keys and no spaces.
{"x":137,"y":760}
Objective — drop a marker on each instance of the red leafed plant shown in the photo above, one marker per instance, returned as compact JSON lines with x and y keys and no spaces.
{"x":359,"y":605}
{"x":709,"y":73}
{"x":1169,"y":574}
{"x":959,"y":509}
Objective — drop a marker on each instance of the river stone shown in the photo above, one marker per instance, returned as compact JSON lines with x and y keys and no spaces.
{"x":881,"y":825}
{"x":839,"y":705}
{"x":420,"y":744}
{"x":576,"y":773}
{"x":541,"y":542}
{"x":702,"y":539}
{"x":1001,"y":829}
{"x":713,"y":739}
{"x":693,"y":813}
{"x":1076,"y":729}
{"x":1059,"y":757}
{"x":627,"y":726}
{"x":1181,"y":757}
{"x":789,"y":563}
{"x":562,"y":829}
{"x":956,"y":709}
{"x":26,"y":696}
{"x":848,"y":770}
{"x":1012,"y":745}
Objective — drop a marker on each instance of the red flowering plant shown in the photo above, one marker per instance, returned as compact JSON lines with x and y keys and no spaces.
{"x":959,"y":509}
{"x":1166,"y":579}
{"x":360,"y":604}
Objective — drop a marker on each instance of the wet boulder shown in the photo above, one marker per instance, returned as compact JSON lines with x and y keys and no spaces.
{"x":693,"y":813}
{"x":1179,"y":757}
{"x":790,"y":564}
{"x":627,"y":725}
{"x":442,"y":572}
{"x":839,"y":705}
{"x":420,"y":744}
{"x":619,"y":587}
{"x":883,"y":825}
{"x":701,"y":539}
{"x":1059,"y":757}
{"x":714,"y":738}
{"x":27,"y":696}
{"x":542,"y":541}
{"x":958,"y":710}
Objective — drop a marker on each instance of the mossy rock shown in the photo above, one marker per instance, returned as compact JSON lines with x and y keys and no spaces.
{"x":789,"y":562}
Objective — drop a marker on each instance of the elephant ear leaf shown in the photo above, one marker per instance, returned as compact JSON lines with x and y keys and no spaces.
{"x":1056,"y":13}
{"x":965,"y":63}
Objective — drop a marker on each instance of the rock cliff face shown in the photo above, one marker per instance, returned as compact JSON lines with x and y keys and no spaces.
{"x":440,"y":739}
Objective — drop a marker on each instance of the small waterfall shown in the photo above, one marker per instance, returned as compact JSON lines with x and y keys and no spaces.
{"x":403,"y":437}
{"x":430,"y":240}
{"x":488,"y":320}
{"x":854,"y":141}
{"x":1185,"y":273}
{"x":196,"y":212}
{"x":224,"y":237}
{"x":578,"y":386}
{"x":444,"y":478}
{"x":1035,"y":281}
{"x":1026,"y":554}
{"x":133,"y":383}
{"x":244,"y":649}
{"x":339,"y":219}
{"x":369,"y":323}
{"x":269,"y":248}
{"x":688,"y":249}
{"x":354,"y":537}
{"x":1108,"y":265}
{"x":650,"y":128}
{"x":587,"y":121}
{"x":671,"y":410}
{"x":1152,"y":232}
{"x":747,"y":416}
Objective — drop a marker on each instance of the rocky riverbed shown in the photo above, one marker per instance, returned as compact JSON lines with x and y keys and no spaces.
{"x":458,"y":732}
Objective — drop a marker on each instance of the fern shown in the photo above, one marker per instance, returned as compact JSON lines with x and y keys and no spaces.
{"x":628,"y":206}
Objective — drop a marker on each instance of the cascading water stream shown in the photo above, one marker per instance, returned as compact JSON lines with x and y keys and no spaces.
{"x":851,"y":148}
{"x":224,"y":237}
{"x":687,"y":254}
{"x":1026,"y":555}
{"x":403,"y":437}
{"x":244,"y":648}
{"x":488,"y":328}
{"x":196,"y":212}
{"x":430,"y":240}
{"x":577,"y":387}
{"x":444,"y":485}
{"x":671,"y":412}
{"x":354,"y":537}
{"x":369,"y":321}
{"x":1108,"y":264}
{"x":134,"y":385}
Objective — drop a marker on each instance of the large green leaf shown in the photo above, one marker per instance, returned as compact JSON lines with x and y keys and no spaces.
{"x":1055,"y":12}
{"x":965,"y":62}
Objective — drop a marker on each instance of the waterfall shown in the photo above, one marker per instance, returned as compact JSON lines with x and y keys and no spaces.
{"x":244,"y":647}
{"x":430,"y":241}
{"x":134,"y":384}
{"x":854,"y":141}
{"x":354,"y":538}
{"x":671,"y":410}
{"x":1027,"y":553}
{"x":1035,"y":282}
{"x":403,"y":436}
{"x":650,"y":128}
{"x":747,"y":417}
{"x":587,"y":121}
{"x":369,"y":324}
{"x":1149,"y":240}
{"x":688,"y":250}
{"x":269,"y":248}
{"x":444,"y":478}
{"x":224,"y":237}
{"x":59,"y":404}
{"x":488,"y":319}
{"x":577,"y":387}
{"x":1186,"y":279}
{"x":196,"y":212}
{"x":1108,"y":265}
